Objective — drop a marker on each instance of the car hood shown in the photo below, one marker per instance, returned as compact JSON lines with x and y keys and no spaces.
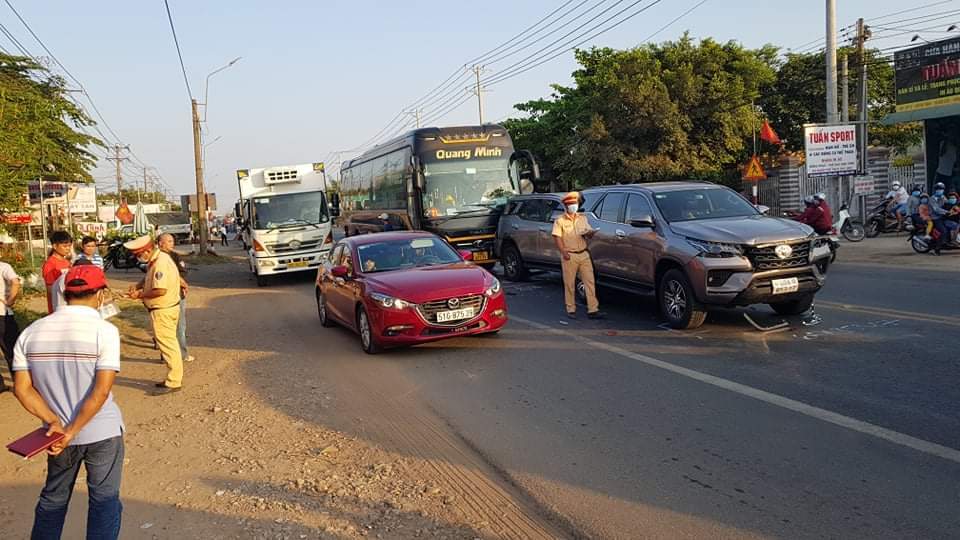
{"x":420,"y":285}
{"x":750,"y":230}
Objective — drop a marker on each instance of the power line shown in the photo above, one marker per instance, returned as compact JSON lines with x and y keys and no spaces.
{"x":176,"y":42}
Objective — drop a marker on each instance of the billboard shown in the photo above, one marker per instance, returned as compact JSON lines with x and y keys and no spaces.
{"x":928,"y":75}
{"x":831,"y":150}
{"x":82,"y":199}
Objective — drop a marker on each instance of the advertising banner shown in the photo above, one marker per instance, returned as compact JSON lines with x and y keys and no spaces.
{"x":928,"y":75}
{"x":82,"y":199}
{"x":831,"y":150}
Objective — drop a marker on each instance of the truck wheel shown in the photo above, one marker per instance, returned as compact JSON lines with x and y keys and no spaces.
{"x":678,"y":303}
{"x":261,"y":281}
{"x":513,"y":267}
{"x":794,"y":307}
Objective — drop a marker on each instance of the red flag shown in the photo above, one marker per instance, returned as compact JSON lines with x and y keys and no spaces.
{"x":768,"y":134}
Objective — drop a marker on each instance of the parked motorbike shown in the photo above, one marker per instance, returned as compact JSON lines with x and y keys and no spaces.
{"x":850,"y":230}
{"x":880,"y":221}
{"x":119,"y":257}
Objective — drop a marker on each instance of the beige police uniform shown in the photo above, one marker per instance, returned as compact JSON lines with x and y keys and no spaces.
{"x":570,"y":230}
{"x":162,"y":273}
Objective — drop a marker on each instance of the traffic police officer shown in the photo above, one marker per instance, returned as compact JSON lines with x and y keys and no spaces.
{"x":160,"y":292}
{"x":570,"y":232}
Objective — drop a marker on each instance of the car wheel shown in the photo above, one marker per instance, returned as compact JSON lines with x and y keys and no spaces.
{"x":322,"y":310}
{"x":513,"y":267}
{"x":794,"y":307}
{"x":367,"y":340}
{"x":677,"y":301}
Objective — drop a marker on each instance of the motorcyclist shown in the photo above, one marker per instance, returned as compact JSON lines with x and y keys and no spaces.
{"x":815,"y":216}
{"x":825,"y":221}
{"x":896,"y":200}
{"x":809,"y":211}
{"x":914,"y":201}
{"x":939,"y":208}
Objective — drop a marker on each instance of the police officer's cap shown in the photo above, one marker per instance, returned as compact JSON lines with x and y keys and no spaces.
{"x":139,"y":244}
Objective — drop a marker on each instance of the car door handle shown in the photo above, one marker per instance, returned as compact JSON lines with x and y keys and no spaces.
{"x":620,"y":233}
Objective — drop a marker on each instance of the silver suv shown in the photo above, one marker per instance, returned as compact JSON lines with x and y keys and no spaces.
{"x":695,"y":244}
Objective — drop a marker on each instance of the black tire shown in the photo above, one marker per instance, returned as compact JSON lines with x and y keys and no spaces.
{"x":514,"y":268}
{"x":678,"y":303}
{"x":873,"y":229}
{"x":367,"y":340}
{"x":919,"y":245}
{"x":853,"y":232}
{"x":322,"y":314}
{"x":798,"y":306}
{"x":262,"y":281}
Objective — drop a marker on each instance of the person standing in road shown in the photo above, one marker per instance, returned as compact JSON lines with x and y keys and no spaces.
{"x":64,"y":367}
{"x":90,"y":251}
{"x":9,"y":331}
{"x":57,"y":263}
{"x":160,"y":292}
{"x":570,"y":232}
{"x":166,"y":243}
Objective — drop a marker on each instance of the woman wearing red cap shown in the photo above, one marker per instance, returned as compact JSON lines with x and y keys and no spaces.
{"x":570,"y":232}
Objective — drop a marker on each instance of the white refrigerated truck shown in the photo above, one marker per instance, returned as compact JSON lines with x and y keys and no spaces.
{"x":285,"y":220}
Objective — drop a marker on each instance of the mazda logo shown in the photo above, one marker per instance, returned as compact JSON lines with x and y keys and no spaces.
{"x":453,"y":303}
{"x":783,"y":251}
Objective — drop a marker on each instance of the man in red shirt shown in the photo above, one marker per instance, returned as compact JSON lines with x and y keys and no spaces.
{"x":57,"y":263}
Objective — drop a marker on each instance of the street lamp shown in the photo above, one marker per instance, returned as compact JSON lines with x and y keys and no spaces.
{"x":206,"y":85}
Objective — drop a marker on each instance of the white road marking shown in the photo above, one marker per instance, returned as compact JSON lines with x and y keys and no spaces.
{"x":853,"y":424}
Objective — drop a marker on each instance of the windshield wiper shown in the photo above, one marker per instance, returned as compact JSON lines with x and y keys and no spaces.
{"x":293,"y":223}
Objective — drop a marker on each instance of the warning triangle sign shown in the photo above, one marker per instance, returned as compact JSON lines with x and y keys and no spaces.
{"x":754,"y":171}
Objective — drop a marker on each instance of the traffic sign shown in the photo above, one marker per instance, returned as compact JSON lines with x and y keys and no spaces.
{"x":754,"y":171}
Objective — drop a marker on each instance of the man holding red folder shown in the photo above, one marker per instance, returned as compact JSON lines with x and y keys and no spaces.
{"x":64,"y":367}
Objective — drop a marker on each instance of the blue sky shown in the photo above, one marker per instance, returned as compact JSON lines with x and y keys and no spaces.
{"x":321,"y":76}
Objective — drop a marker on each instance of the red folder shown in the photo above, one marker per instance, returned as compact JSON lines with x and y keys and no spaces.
{"x":33,"y":443}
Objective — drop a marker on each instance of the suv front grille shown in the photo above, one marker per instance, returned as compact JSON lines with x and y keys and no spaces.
{"x":429,"y":310}
{"x":766,"y":258}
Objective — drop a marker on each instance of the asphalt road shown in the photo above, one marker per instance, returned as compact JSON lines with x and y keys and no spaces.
{"x":844,"y":425}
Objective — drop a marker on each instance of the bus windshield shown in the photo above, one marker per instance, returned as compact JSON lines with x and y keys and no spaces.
{"x":290,"y":210}
{"x":455,"y":187}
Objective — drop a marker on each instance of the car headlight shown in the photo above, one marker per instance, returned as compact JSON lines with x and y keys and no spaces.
{"x":715,"y":249}
{"x":389,"y":302}
{"x":493,"y":289}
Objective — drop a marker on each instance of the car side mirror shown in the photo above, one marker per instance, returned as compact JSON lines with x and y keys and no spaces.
{"x":340,"y":271}
{"x":763,"y":209}
{"x":643,"y":222}
{"x":466,"y":254}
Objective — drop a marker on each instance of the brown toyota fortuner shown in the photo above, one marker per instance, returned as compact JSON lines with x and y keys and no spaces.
{"x":696,"y":244}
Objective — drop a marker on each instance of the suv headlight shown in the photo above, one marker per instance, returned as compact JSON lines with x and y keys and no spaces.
{"x":493,"y":289}
{"x":389,"y":302}
{"x":715,"y":249}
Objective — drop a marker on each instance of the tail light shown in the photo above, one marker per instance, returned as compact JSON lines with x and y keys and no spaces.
{"x":257,"y":246}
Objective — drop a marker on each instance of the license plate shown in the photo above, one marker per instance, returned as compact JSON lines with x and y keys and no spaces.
{"x":481,"y":255}
{"x":455,"y":315}
{"x":786,"y":285}
{"x":297,"y":264}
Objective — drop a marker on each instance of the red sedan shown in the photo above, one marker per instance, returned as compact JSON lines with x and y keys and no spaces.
{"x":405,"y":288}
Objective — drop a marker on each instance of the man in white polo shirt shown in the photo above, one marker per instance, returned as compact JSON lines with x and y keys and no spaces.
{"x":64,"y":367}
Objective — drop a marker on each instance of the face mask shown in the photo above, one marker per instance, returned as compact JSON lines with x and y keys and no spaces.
{"x":952,"y":200}
{"x":916,"y":193}
{"x":924,"y":201}
{"x":938,"y":193}
{"x":572,"y":208}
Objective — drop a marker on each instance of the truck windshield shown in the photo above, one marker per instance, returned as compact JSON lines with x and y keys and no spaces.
{"x":698,"y":204}
{"x":454,"y":187}
{"x":290,"y":210}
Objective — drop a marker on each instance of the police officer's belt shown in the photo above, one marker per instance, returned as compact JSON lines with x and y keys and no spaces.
{"x":165,"y":307}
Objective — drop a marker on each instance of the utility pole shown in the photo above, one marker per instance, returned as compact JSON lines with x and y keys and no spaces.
{"x":845,"y":89}
{"x":478,"y":90}
{"x":118,"y":159}
{"x":863,"y":106}
{"x":201,"y":193}
{"x":831,"y":54}
{"x":417,"y":115}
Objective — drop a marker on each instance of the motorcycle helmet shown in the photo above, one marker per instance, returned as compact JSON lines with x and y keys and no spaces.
{"x":808,"y":200}
{"x":821,"y":196}
{"x":939,"y":185}
{"x":896,"y":184}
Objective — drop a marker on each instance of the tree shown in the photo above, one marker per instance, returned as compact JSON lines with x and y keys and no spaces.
{"x":39,"y":126}
{"x":133,"y":195}
{"x":799,"y":94}
{"x":676,"y":110}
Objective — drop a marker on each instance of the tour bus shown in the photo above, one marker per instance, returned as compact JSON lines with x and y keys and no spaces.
{"x":284,"y":220}
{"x":451,"y":181}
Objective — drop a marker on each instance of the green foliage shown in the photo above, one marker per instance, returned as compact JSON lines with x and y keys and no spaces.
{"x":676,"y":110}
{"x":38,"y":130}
{"x":799,"y":94}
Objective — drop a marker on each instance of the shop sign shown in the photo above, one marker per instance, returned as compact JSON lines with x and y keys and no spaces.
{"x":831,"y":150}
{"x":928,"y":75}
